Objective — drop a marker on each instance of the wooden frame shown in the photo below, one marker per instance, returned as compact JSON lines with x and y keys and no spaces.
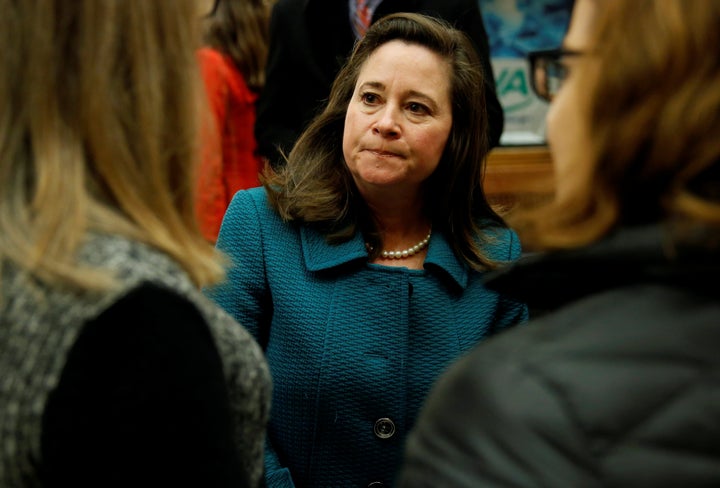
{"x":514,"y":174}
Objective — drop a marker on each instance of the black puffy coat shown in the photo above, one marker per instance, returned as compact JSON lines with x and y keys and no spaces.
{"x":617,"y":385}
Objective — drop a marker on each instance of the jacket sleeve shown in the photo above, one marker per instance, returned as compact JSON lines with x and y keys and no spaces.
{"x":276,"y":475}
{"x":493,"y":421}
{"x":212,"y":193}
{"x":245,"y":294}
{"x":510,"y":310}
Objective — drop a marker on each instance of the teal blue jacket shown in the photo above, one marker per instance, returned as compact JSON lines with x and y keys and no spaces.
{"x":353,"y":347}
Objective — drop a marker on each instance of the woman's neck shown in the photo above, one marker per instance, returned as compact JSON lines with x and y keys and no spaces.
{"x":404,"y":233}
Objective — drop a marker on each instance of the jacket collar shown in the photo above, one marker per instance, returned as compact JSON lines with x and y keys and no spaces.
{"x":320,"y":256}
{"x":628,"y":256}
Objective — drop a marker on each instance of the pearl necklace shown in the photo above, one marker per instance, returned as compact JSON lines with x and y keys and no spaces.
{"x":405,"y":253}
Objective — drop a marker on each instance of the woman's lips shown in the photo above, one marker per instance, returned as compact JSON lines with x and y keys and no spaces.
{"x":384,"y":154}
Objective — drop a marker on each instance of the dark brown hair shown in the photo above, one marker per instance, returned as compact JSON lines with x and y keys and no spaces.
{"x":316,"y":187}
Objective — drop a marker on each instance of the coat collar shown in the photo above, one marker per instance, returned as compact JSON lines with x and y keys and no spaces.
{"x":630,"y":255}
{"x":320,"y":256}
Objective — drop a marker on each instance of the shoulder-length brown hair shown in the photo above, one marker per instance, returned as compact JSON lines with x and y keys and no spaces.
{"x":99,"y":132}
{"x":652,"y":86}
{"x":240,"y":29}
{"x":316,"y":187}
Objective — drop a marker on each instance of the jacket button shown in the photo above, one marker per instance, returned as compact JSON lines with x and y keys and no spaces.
{"x":384,"y":428}
{"x":376,"y":484}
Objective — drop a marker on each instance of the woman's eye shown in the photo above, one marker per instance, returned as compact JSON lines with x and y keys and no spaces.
{"x":418,"y":108}
{"x":369,"y":98}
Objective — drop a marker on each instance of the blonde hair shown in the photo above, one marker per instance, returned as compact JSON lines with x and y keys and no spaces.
{"x":99,"y":132}
{"x":241,"y":29}
{"x":652,"y":90}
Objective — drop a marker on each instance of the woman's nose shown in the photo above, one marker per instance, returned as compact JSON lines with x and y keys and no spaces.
{"x":387,"y":123}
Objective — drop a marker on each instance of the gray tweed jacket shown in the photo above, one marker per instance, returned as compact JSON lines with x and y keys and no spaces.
{"x":39,"y":325}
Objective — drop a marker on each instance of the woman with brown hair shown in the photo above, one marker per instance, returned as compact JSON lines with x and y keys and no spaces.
{"x":359,"y":266}
{"x":616,"y":385}
{"x":232,"y":61}
{"x":116,"y":370}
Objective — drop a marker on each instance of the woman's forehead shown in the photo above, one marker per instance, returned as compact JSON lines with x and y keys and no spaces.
{"x":582,"y":25}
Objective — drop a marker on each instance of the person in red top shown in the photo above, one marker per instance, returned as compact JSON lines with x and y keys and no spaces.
{"x":232,"y":63}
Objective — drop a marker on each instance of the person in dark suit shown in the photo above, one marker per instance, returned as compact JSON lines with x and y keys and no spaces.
{"x":309,"y":42}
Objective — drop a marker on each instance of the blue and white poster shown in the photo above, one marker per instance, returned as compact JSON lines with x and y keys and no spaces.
{"x":516,"y":27}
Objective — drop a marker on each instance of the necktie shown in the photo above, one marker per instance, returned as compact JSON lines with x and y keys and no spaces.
{"x":362,"y":17}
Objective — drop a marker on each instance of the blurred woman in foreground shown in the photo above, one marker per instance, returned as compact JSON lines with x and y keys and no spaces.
{"x":116,"y":371}
{"x":617,"y":384}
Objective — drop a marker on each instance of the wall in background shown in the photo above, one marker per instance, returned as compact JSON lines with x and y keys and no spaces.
{"x":516,"y":27}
